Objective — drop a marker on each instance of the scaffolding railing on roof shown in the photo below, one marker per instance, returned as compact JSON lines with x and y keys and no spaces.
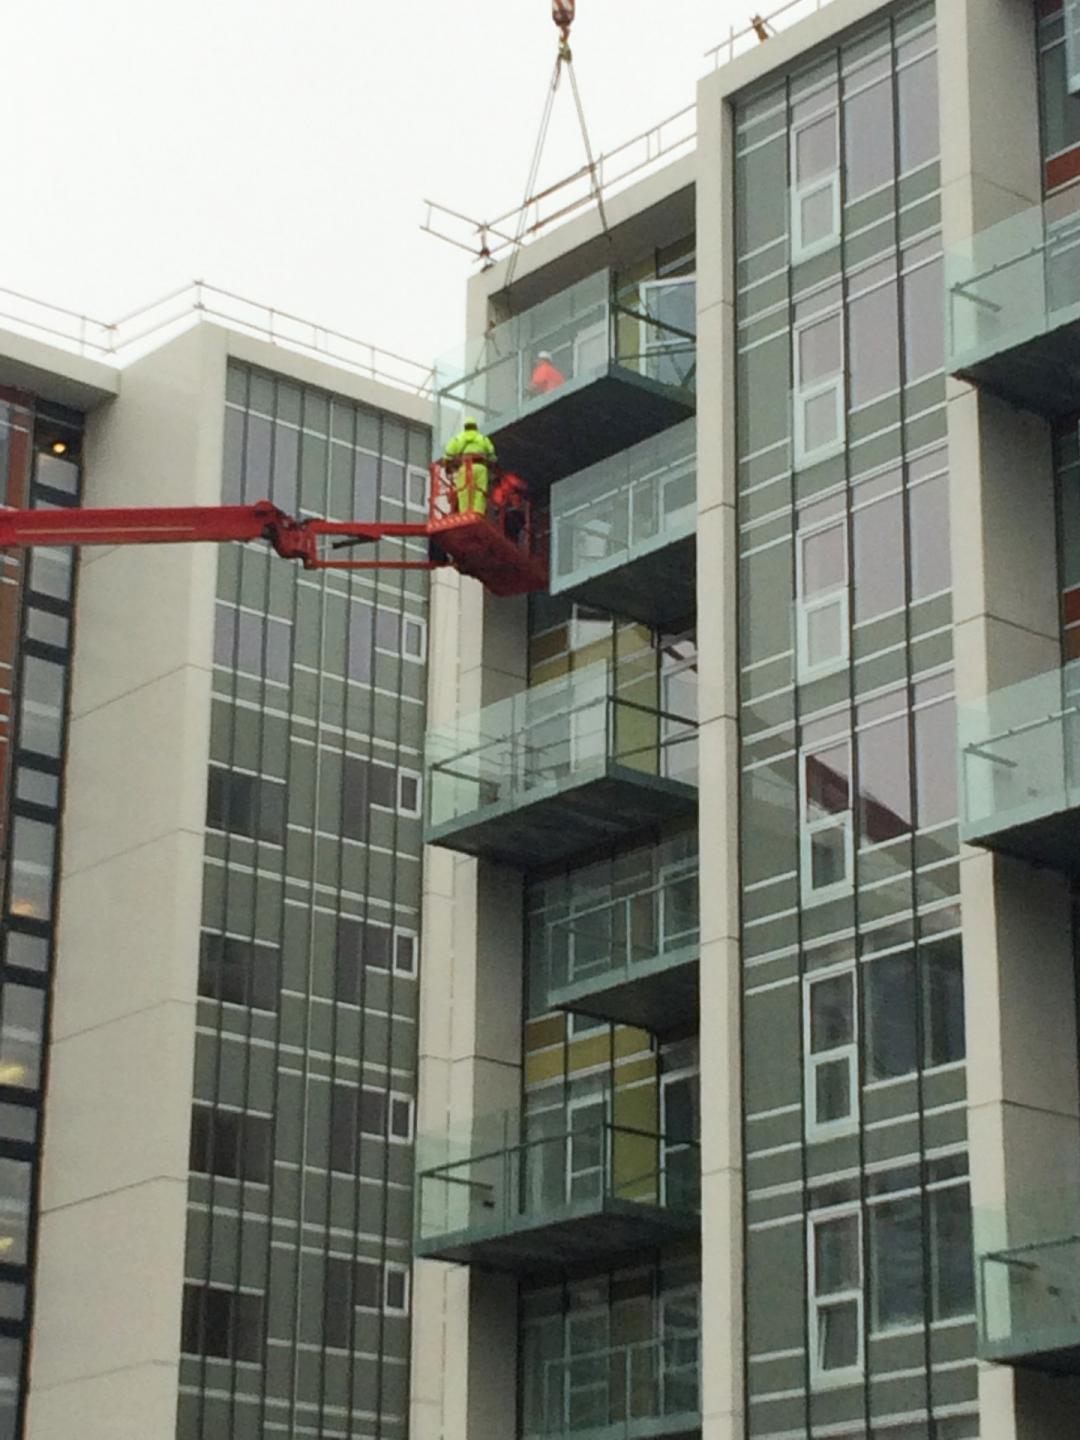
{"x":120,"y":341}
{"x":761,"y":28}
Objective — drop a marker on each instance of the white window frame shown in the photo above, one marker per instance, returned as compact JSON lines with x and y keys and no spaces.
{"x":402,"y":808}
{"x":801,"y":192}
{"x":396,"y":1097}
{"x":402,"y":932}
{"x":648,"y":345}
{"x":803,"y":394}
{"x":806,"y":609}
{"x":394,"y":1267}
{"x":413,"y":472}
{"x":820,"y":1378}
{"x":849,"y":1053}
{"x":417,"y":657}
{"x":809,"y":828}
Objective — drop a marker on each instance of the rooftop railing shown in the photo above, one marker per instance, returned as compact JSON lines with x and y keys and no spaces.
{"x":120,"y":341}
{"x":738,"y":42}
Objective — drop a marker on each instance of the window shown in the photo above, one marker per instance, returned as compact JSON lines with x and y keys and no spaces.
{"x":826,"y":839}
{"x":367,"y":943}
{"x":822,"y":607}
{"x":239,"y":972}
{"x":815,"y":185}
{"x":405,"y":947}
{"x":877,"y":528}
{"x":246,"y":804}
{"x":21,"y":1026}
{"x":15,"y":1179}
{"x":417,"y":488}
{"x":943,"y":1000}
{"x":408,"y":792}
{"x":834,"y":1262}
{"x":225,"y":1324}
{"x":868,"y":128}
{"x":42,"y":706}
{"x":884,"y":770}
{"x":253,"y":644}
{"x":928,"y":511}
{"x":400,"y":634}
{"x":667,"y":352}
{"x":873,"y":334}
{"x":890,"y":997}
{"x":917,"y":87}
{"x":819,"y":388}
{"x":362,"y":1111}
{"x":361,"y":1285}
{"x":33,"y":851}
{"x":924,"y":313}
{"x":935,"y":759}
{"x":361,"y":641}
{"x":831,"y":1054}
{"x":896,"y":1263}
{"x":952,"y":1269}
{"x":226,"y":1142}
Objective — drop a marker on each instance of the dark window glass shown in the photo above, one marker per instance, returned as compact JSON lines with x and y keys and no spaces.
{"x":42,"y":690}
{"x":226,"y":1143}
{"x":22,"y":1021}
{"x":238,"y":971}
{"x":361,"y":640}
{"x":896,"y":1263}
{"x":951,"y":1252}
{"x":943,"y":980}
{"x":890,"y":998}
{"x":405,"y":954}
{"x":928,"y":517}
{"x":354,"y":798}
{"x":409,"y":793}
{"x":367,"y":1284}
{"x":878,"y":537}
{"x":337,"y":1313}
{"x":924,"y":321}
{"x":868,"y":138}
{"x":246,"y":804}
{"x":383,"y":786}
{"x":372,"y":1109}
{"x":935,"y":762}
{"x":832,"y":1020}
{"x":918,"y":103}
{"x":884,"y":781}
{"x":873,"y":344}
{"x":401,"y":1117}
{"x":397,"y":1289}
{"x":360,"y":943}
{"x":15,"y":1178}
{"x":343,"y":1148}
{"x":226,"y":1324}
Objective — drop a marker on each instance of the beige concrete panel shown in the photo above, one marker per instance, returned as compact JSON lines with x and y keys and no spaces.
{"x":118,"y":955}
{"x":718,"y":691}
{"x":133,"y":1404}
{"x":714,"y":199}
{"x":493,"y":1088}
{"x":718,"y":742}
{"x":990,"y":654}
{"x":716,"y":466}
{"x":1002,"y":512}
{"x":987,"y":128}
{"x":721,"y":1292}
{"x":506,"y":636}
{"x":997,"y":1413}
{"x":122,"y":646}
{"x":109,"y":1127}
{"x":109,"y":1283}
{"x":721,"y":1058}
{"x":726,"y":1425}
{"x":457,"y":1349}
{"x":433,"y":1096}
{"x":444,"y":623}
{"x":139,"y":770}
{"x":428,"y":1331}
{"x":55,"y":374}
{"x":982,"y":982}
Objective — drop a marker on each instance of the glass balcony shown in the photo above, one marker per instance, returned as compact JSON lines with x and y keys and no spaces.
{"x":1020,"y":770}
{"x":529,"y":1203}
{"x":617,"y":372}
{"x":651,"y":1388}
{"x":622,"y":531}
{"x":562,"y":768}
{"x":1029,"y":1285}
{"x":631,"y":959}
{"x":1013,"y":300}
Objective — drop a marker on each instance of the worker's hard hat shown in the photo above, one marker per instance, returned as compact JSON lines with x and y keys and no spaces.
{"x":468,"y":423}
{"x":544,"y":355}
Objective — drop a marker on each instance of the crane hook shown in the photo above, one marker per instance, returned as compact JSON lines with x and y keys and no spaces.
{"x":562,"y":12}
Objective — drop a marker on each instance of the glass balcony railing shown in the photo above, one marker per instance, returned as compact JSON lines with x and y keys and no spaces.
{"x":1029,"y":1284}
{"x":576,"y":377}
{"x":1013,"y":297}
{"x":631,"y":959}
{"x":1020,"y":770}
{"x":622,"y":532}
{"x":526,"y":1202}
{"x":558,"y":768}
{"x":649,"y":1388}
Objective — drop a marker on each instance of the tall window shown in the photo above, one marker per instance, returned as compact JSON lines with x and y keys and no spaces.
{"x":815,"y":176}
{"x":832,"y":1054}
{"x":826,"y":832}
{"x":821,"y":587}
{"x":819,"y":383}
{"x":834,"y":1263}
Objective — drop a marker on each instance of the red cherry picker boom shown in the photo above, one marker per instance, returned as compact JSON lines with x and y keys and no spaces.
{"x":504,"y":545}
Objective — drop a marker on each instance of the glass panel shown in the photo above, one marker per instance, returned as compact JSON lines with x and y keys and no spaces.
{"x":836,"y":1254}
{"x":832,"y":1091}
{"x":832,"y":1012}
{"x":828,"y":857}
{"x":824,"y":560}
{"x":826,"y":634}
{"x":838,"y":1335}
{"x":819,"y":350}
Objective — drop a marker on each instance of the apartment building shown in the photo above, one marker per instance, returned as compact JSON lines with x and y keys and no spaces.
{"x":748,"y":1047}
{"x":212,"y":860}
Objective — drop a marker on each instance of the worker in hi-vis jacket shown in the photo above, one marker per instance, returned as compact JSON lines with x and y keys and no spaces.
{"x":470,"y":481}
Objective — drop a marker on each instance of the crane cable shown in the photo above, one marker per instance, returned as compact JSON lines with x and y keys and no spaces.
{"x":562,"y":12}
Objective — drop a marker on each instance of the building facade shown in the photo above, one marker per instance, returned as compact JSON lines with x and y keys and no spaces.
{"x":748,"y":1073}
{"x":215,"y":1239}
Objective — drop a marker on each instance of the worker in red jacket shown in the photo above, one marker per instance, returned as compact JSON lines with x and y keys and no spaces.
{"x":546,"y":376}
{"x":510,"y":496}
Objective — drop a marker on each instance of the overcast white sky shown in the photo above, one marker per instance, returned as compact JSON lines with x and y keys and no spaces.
{"x":281,"y":148}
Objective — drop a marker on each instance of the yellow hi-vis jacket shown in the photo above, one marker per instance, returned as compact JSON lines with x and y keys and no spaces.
{"x":471,"y":442}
